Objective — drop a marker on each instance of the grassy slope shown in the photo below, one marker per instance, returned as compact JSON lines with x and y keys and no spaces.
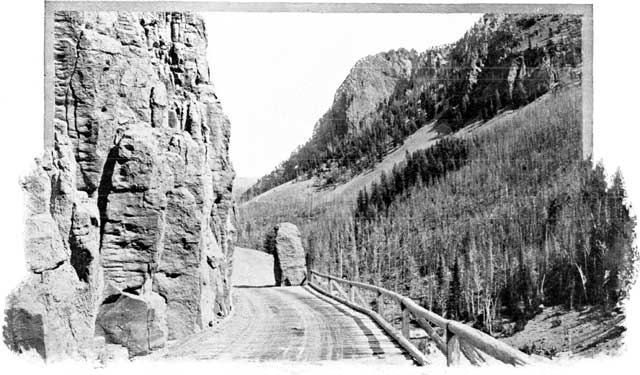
{"x":567,"y":333}
{"x":303,"y":191}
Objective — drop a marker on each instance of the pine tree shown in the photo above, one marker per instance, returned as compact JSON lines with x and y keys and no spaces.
{"x":455,"y":291}
{"x":376,"y":196}
{"x":361,"y":208}
{"x":385,"y":189}
{"x":620,"y":236}
{"x":498,"y":102}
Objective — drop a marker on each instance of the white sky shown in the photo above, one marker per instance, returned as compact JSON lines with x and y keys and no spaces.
{"x":276,"y":73}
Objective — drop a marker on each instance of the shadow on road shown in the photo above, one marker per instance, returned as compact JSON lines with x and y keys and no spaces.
{"x":253,"y":286}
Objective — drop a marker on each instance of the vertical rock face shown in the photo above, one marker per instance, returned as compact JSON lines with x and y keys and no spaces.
{"x":372,"y":80}
{"x":289,"y":256}
{"x":129,"y":211}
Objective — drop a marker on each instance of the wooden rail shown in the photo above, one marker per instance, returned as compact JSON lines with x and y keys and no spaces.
{"x":458,"y":338}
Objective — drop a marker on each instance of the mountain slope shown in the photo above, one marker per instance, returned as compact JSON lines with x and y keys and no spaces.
{"x":520,"y":220}
{"x":306,"y":202}
{"x":503,"y":61}
{"x":497,"y":214}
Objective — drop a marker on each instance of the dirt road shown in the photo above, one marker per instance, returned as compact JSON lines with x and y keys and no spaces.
{"x":287,"y":323}
{"x":252,"y":268}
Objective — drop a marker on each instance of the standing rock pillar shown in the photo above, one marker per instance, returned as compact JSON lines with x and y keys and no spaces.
{"x":289,"y":264}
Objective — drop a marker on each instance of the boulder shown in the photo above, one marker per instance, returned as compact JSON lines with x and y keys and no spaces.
{"x":135,"y":322}
{"x":52,"y":314}
{"x":289,"y":256}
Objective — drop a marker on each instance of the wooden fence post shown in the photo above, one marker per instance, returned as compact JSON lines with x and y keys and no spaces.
{"x":379,"y":304}
{"x":458,"y":339}
{"x":406,"y":319}
{"x":453,"y":348}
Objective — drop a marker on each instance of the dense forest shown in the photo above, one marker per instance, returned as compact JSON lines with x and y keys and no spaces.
{"x":421,"y":167}
{"x":501,"y":63}
{"x":485,"y":224}
{"x":524,"y":222}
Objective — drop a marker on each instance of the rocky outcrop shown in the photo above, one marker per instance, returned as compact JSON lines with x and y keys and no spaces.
{"x":289,"y":255}
{"x":137,"y":322}
{"x":129,"y":210}
{"x":52,"y":312}
{"x":371,"y":81}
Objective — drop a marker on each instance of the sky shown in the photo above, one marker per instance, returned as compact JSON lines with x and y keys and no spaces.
{"x":276,"y":73}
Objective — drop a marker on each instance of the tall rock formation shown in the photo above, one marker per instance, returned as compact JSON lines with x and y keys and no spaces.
{"x":129,"y":224}
{"x":371,"y":81}
{"x":289,"y":257}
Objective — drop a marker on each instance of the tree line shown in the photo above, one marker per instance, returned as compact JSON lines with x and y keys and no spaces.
{"x":422,"y":167}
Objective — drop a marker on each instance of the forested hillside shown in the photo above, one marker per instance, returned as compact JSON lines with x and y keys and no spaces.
{"x":524,"y":222}
{"x":497,"y":214}
{"x":502,"y":62}
{"x":488,"y":223}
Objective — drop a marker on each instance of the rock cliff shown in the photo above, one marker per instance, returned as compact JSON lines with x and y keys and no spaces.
{"x":128,"y":212}
{"x":371,"y":81}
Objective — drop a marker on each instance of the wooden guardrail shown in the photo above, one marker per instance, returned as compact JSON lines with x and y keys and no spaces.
{"x":458,"y":338}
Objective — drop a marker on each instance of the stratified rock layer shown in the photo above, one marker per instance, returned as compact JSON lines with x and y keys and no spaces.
{"x":289,"y":256}
{"x":128,"y":213}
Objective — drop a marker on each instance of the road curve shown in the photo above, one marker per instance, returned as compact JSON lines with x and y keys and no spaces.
{"x":288,"y":323}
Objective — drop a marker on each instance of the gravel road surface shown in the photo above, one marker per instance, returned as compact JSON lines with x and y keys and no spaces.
{"x":286,"y":323}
